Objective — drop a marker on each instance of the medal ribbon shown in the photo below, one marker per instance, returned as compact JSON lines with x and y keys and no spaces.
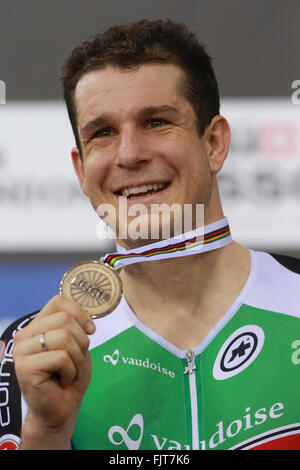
{"x":200,"y":240}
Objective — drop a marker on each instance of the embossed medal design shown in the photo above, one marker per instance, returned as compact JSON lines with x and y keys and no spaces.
{"x":93,"y":285}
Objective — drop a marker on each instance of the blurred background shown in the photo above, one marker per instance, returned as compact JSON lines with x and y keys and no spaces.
{"x":47,"y":224}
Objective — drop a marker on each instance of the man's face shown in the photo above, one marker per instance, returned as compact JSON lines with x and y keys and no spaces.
{"x":139,"y":139}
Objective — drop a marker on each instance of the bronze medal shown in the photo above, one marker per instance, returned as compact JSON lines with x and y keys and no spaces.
{"x":93,"y":285}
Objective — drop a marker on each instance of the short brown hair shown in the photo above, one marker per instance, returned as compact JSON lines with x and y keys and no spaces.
{"x":140,"y":42}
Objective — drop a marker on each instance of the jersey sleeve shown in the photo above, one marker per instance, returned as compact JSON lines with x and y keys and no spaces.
{"x":11,"y":407}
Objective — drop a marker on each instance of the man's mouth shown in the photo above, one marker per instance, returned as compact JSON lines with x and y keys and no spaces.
{"x":132,"y":192}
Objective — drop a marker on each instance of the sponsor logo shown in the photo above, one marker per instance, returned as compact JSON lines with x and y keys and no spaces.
{"x":238,"y":352}
{"x":114,"y":359}
{"x":250,"y":420}
{"x":6,"y":373}
{"x":133,"y":361}
{"x":224,"y":431}
{"x":296,"y":354}
{"x":118,"y":435}
{"x":2,"y":350}
{"x":118,"y":431}
{"x":9,"y":442}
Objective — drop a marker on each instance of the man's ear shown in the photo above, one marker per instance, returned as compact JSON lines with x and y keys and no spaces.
{"x":78,"y":167}
{"x":217,"y":137}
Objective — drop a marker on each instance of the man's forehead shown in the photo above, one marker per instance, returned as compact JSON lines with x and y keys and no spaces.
{"x":156,"y":77}
{"x":144,"y":71}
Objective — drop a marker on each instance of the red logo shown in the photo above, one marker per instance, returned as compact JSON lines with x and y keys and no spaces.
{"x":9,"y":442}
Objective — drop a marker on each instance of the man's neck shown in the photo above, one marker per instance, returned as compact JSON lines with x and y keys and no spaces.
{"x":182,"y":299}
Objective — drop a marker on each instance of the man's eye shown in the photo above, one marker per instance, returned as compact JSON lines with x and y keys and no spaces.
{"x":157,"y":122}
{"x":106,"y":131}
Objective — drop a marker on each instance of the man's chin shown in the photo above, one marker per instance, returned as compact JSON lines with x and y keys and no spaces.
{"x":138,"y":236}
{"x":156,"y":225}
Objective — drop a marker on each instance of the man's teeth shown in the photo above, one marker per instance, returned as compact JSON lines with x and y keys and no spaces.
{"x":142,"y":189}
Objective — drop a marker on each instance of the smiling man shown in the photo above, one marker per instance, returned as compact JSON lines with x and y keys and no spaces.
{"x":190,"y":356}
{"x":148,"y":140}
{"x":147,"y":133}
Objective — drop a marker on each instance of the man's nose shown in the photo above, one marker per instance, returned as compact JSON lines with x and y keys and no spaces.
{"x":132,"y":149}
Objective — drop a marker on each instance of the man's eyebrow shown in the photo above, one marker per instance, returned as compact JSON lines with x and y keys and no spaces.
{"x":103,"y":119}
{"x":164,"y":109}
{"x":94,"y":124}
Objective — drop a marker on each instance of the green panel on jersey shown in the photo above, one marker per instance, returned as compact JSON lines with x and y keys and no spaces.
{"x":139,"y":397}
{"x":136,"y":398}
{"x":256,"y":399}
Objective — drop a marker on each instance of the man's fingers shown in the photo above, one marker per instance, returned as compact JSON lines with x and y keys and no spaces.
{"x":59,"y":320}
{"x":40,"y":367}
{"x":54,"y":373}
{"x":55,"y":340}
{"x":59,"y":303}
{"x":64,"y":333}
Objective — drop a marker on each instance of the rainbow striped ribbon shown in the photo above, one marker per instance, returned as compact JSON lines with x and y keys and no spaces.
{"x":207,"y":238}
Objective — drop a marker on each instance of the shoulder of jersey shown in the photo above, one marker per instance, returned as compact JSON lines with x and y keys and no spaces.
{"x":111,"y":325}
{"x":277,"y":284}
{"x":17,"y":325}
{"x":107,"y":327}
{"x":288,"y":262}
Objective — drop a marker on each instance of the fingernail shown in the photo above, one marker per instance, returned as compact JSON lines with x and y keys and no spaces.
{"x":90,"y":327}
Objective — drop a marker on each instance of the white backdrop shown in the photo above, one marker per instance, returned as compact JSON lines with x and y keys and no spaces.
{"x":41,"y":204}
{"x":42,"y":208}
{"x":260,"y":180}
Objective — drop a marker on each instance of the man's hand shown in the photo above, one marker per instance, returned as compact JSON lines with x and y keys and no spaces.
{"x":53,"y":380}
